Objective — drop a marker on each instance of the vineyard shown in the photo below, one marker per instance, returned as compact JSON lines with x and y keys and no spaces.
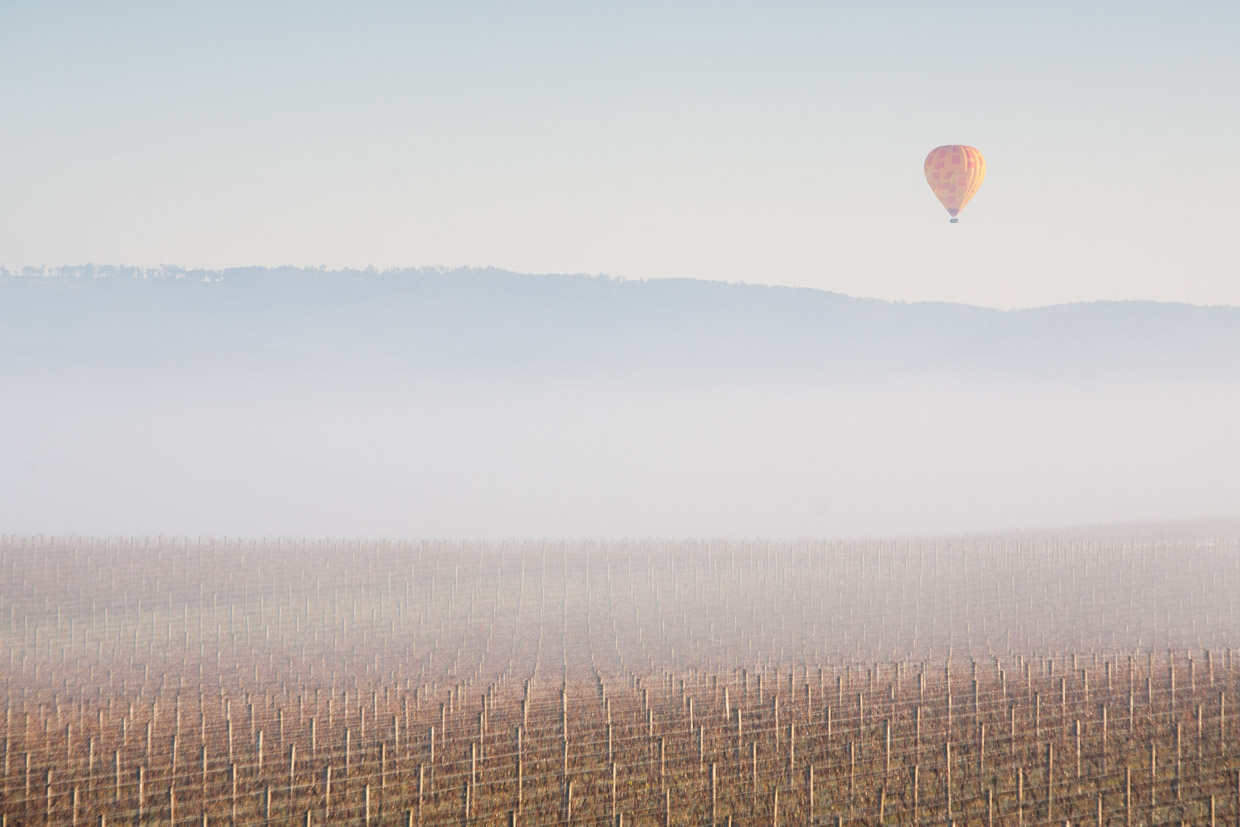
{"x":1021,"y":680}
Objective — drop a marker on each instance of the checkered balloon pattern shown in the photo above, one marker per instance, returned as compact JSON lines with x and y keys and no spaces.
{"x":955,"y":173}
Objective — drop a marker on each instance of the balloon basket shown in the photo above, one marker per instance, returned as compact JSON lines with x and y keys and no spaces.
{"x":954,"y":221}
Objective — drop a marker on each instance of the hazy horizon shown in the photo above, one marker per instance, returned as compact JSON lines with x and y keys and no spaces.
{"x":168,"y":271}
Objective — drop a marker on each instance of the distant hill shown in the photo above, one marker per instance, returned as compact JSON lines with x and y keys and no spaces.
{"x":486,"y":403}
{"x":484,"y":323}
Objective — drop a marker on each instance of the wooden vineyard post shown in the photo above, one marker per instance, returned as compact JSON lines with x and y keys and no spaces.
{"x":916,"y":792}
{"x":792,"y":749}
{"x":886,"y":749}
{"x":1222,"y":729}
{"x":1178,"y":728}
{"x":327,"y":794}
{"x":852,"y":775}
{"x":232,"y":783}
{"x":1200,"y":751}
{"x":382,"y":773}
{"x":1076,"y":734}
{"x":810,"y":787}
{"x":1050,"y":782}
{"x":714,"y":794}
{"x":1171,"y":671}
{"x":947,"y":775}
{"x":1012,"y":731}
{"x":1020,"y":795}
{"x":753,"y":774}
{"x":520,"y":770}
{"x":421,"y":790}
{"x":981,"y":749}
{"x":1063,"y":704}
{"x":612,"y":783}
{"x":141,"y":793}
{"x":473,"y":766}
{"x":1153,"y":777}
{"x":1128,"y":796}
{"x":948,"y":709}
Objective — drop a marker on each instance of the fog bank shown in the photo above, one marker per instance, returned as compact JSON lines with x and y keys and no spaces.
{"x":112,"y":428}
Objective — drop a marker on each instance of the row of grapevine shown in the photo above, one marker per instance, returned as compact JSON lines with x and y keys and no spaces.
{"x":1015,"y":680}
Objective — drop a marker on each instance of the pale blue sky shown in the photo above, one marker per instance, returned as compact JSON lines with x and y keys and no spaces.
{"x":774,"y":142}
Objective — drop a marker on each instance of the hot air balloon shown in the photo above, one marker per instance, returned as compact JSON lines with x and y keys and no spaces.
{"x":955,"y":173}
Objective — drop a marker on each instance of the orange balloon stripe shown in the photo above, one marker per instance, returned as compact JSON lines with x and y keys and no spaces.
{"x":955,"y":174}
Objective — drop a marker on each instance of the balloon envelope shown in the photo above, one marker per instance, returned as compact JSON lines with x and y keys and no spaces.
{"x":955,"y":173}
